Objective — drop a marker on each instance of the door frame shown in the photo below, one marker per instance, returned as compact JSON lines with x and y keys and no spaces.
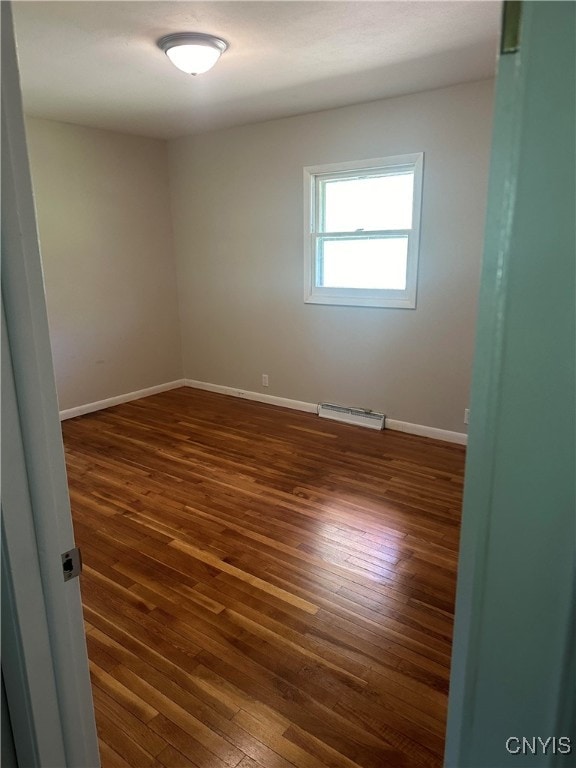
{"x":44,"y":661}
{"x":512,"y":675}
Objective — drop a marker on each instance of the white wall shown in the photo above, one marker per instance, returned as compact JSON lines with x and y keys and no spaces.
{"x":103,"y":207}
{"x":237,"y":212}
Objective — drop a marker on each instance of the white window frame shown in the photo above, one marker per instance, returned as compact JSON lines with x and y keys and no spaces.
{"x":356,"y":297}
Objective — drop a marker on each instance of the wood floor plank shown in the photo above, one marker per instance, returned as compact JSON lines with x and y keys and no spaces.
{"x":186,"y":744}
{"x":122,"y":743}
{"x":263,"y":589}
{"x":110,"y":758}
{"x":123,"y":695}
{"x":173,"y":758}
{"x":141,"y":732}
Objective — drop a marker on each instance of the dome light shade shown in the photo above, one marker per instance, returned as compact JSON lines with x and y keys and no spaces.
{"x":192,"y":52}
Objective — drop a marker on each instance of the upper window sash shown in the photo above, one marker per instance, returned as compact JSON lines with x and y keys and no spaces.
{"x":407,"y":165}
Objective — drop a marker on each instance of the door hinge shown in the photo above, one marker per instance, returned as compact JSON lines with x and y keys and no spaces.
{"x":72,"y":563}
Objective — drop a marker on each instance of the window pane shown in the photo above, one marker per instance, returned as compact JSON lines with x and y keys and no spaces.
{"x":375,"y":202}
{"x":363,"y":263}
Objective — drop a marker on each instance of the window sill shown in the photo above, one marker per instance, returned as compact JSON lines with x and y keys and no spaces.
{"x":357,"y":301}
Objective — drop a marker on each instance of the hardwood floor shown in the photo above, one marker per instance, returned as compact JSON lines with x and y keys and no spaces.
{"x":263,"y":588}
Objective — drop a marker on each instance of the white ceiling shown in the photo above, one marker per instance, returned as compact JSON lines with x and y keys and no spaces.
{"x":96,"y":63}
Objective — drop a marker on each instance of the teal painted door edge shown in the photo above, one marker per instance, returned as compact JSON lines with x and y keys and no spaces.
{"x":514,"y":629}
{"x":47,"y":677}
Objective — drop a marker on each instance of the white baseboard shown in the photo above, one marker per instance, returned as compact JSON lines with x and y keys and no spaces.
{"x":80,"y":410}
{"x":419,"y":429}
{"x":284,"y":402}
{"x":460,"y":438}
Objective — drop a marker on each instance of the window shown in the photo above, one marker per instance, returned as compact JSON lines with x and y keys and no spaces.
{"x":362,"y":228}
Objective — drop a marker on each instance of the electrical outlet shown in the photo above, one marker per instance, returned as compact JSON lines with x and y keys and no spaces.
{"x":466,"y":415}
{"x":264,"y":379}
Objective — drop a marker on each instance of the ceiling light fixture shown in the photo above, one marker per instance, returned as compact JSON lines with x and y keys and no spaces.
{"x":192,"y":52}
